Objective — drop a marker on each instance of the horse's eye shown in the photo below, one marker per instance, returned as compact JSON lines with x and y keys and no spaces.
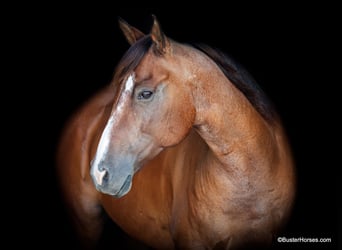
{"x":145,"y":95}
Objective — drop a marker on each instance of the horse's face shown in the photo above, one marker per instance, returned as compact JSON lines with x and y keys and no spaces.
{"x":153,"y":110}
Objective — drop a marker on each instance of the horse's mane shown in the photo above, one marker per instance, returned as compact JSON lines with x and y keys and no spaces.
{"x":242,"y":80}
{"x":232,"y":70}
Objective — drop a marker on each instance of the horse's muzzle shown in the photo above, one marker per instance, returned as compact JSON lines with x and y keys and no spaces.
{"x":115,"y":181}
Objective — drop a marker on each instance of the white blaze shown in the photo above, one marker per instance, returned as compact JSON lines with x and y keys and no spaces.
{"x":103,"y":146}
{"x":129,"y":84}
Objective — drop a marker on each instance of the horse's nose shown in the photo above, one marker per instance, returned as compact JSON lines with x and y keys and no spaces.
{"x":112,"y":176}
{"x":100,"y":175}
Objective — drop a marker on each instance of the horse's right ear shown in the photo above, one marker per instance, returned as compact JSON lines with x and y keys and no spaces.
{"x":161,"y":42}
{"x":132,"y":34}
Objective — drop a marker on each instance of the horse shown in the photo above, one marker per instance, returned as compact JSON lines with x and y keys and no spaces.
{"x":182,"y":150}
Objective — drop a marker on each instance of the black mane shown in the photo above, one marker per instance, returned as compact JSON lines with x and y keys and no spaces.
{"x":242,"y":80}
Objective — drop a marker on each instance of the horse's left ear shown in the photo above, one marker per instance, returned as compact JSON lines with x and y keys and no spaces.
{"x":161,"y":42}
{"x":132,"y":34}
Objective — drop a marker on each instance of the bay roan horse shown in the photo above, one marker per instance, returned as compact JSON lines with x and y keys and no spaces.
{"x":182,"y":150}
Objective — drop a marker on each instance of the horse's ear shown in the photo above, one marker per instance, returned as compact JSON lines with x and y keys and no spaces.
{"x":132,"y":34}
{"x":161,"y":42}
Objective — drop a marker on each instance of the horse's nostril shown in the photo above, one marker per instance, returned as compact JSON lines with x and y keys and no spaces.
{"x":100,"y":174}
{"x":105,"y":176}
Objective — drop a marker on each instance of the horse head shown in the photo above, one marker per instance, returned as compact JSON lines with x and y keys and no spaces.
{"x":152,"y":109}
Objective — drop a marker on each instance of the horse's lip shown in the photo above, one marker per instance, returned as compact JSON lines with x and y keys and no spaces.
{"x":125,"y":187}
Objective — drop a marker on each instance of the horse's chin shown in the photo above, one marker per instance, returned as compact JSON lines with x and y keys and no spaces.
{"x":125,"y":188}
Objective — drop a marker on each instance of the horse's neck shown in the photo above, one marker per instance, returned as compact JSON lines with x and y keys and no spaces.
{"x":238,"y":136}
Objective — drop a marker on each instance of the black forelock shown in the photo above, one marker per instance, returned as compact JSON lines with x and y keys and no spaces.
{"x":133,"y":57}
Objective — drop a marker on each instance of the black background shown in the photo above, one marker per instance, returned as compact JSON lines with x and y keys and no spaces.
{"x":63,"y":54}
